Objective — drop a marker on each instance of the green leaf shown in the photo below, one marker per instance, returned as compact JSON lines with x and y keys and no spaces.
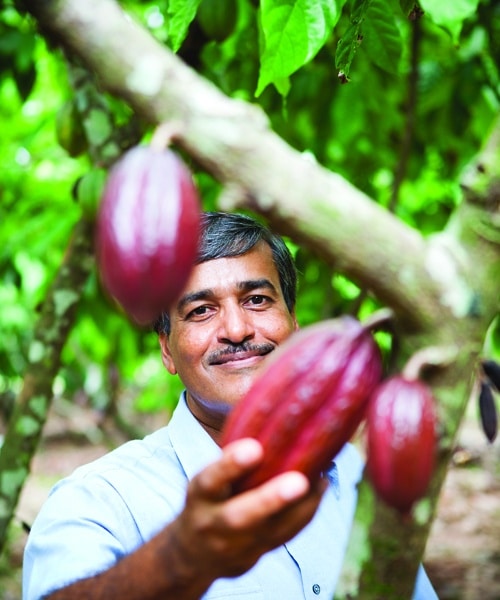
{"x":293,"y":33}
{"x":407,"y":6}
{"x":381,"y":36}
{"x":349,"y":43}
{"x":97,"y":126}
{"x":27,"y":426}
{"x":181,"y":13}
{"x":347,"y":47}
{"x":450,"y":14}
{"x":11,"y":481}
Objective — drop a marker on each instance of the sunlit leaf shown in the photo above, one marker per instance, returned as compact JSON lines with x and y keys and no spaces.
{"x":181,"y":13}
{"x":450,"y":15}
{"x":293,"y":31}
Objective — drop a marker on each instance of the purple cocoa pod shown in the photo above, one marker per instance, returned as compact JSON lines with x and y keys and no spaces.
{"x":147,"y":231}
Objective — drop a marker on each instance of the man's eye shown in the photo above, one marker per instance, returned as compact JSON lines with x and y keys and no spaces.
{"x":199,"y":311}
{"x":258,"y":300}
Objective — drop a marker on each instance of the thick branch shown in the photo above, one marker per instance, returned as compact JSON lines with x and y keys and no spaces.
{"x":231,"y":140}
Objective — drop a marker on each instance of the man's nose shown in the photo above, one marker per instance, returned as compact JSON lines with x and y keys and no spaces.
{"x":236,"y":325}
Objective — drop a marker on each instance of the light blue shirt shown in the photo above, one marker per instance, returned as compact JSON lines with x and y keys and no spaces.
{"x":111,"y":506}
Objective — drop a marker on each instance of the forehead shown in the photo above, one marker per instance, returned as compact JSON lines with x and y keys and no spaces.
{"x":226,"y":272}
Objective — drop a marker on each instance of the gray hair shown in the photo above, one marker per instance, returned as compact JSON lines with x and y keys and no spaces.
{"x":225,"y":235}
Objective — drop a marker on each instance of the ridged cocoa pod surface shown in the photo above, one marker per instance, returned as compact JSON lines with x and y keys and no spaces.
{"x":310,"y":399}
{"x":401,"y":441}
{"x":147,"y":231}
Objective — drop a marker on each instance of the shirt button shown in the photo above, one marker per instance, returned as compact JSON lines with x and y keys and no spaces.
{"x":316,"y":589}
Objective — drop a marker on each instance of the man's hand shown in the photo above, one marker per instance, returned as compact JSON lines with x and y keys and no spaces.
{"x":216,"y":535}
{"x":223,"y":535}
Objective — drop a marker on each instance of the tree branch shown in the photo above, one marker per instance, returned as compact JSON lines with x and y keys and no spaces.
{"x":232,"y":140}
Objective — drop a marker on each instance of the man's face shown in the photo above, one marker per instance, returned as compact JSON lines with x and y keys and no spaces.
{"x":230,"y":317}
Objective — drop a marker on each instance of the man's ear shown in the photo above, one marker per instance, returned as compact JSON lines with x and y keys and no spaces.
{"x":166,"y":355}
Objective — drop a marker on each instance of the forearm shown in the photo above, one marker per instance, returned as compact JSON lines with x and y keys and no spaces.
{"x":153,"y":571}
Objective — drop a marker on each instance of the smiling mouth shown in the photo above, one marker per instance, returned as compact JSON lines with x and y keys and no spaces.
{"x":239,"y":353}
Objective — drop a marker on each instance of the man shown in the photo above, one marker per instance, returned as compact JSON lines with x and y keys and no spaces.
{"x":155,"y":518}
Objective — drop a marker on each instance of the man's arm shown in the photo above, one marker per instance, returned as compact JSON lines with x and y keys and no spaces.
{"x":216,"y":535}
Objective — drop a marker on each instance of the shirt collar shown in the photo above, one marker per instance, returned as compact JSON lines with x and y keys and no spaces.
{"x":194,"y":447}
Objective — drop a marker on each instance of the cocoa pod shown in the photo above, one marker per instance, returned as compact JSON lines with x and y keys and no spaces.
{"x":488,"y":411}
{"x":401,"y":441}
{"x":147,"y":231}
{"x":310,"y":399}
{"x":492,"y":371}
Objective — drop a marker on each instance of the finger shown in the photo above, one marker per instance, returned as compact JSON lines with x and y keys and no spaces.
{"x":252,"y":507}
{"x":237,"y":459}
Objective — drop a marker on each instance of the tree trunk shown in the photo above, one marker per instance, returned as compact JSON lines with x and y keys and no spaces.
{"x":32,"y":405}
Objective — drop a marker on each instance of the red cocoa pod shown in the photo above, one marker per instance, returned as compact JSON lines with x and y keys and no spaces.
{"x":488,"y":411}
{"x":147,"y":231}
{"x":401,"y":441}
{"x":310,"y":399}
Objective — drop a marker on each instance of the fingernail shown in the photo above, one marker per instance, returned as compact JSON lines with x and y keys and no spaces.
{"x":247,"y":451}
{"x":293,"y":485}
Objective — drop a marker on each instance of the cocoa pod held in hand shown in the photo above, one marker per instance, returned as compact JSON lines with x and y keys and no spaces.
{"x":401,"y":441}
{"x":488,"y":411}
{"x":147,"y":231}
{"x":310,"y":399}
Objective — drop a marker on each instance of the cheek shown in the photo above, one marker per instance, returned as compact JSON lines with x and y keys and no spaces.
{"x":285,"y":329}
{"x":189,"y":350}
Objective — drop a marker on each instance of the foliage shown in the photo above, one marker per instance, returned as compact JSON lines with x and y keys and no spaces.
{"x":396,"y":97}
{"x":285,"y":55}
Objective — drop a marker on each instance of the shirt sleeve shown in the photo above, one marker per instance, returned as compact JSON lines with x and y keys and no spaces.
{"x":68,"y":540}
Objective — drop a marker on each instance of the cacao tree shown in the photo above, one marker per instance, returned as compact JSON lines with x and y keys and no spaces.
{"x":388,"y":187}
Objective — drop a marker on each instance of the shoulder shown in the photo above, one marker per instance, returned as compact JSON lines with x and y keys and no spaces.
{"x":133,"y":474}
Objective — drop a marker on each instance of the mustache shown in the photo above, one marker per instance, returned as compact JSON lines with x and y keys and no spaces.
{"x":245,"y":347}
